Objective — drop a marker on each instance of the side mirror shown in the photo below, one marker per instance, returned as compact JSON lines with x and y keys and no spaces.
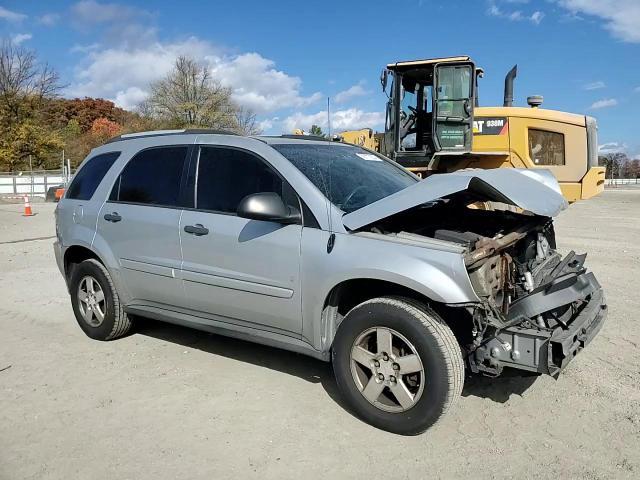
{"x":383,"y":79}
{"x":268,"y":207}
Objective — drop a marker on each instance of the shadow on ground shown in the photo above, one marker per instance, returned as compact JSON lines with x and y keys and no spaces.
{"x":290,"y":363}
{"x":499,"y":389}
{"x":315,"y":371}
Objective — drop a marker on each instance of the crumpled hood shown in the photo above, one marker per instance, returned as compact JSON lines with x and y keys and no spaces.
{"x":536,"y":191}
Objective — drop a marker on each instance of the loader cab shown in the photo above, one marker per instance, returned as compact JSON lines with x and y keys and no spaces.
{"x":430,"y":109}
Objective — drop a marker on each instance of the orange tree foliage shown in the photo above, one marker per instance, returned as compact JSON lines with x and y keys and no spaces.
{"x":88,"y":122}
{"x":104,"y":129}
{"x":85,"y":111}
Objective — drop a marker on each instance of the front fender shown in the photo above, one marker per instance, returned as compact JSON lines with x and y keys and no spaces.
{"x":435,"y":271}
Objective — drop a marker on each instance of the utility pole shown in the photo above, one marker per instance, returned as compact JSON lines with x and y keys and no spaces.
{"x":329,"y":117}
{"x":31,"y":171}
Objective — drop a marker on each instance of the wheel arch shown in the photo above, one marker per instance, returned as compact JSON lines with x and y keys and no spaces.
{"x":74,"y":255}
{"x":352,"y":292}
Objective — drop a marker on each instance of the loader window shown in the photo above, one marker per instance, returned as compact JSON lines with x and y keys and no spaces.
{"x":454,"y":107}
{"x":454,"y":89}
{"x":546,"y":148}
{"x":416,"y":115}
{"x":409,"y":105}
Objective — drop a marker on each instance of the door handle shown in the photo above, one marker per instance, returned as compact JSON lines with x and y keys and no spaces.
{"x":112,"y":217}
{"x":198,"y":229}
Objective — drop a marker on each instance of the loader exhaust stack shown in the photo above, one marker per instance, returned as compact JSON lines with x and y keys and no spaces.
{"x":508,"y":86}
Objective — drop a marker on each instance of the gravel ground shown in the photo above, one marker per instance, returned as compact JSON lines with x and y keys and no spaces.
{"x":168,"y":402}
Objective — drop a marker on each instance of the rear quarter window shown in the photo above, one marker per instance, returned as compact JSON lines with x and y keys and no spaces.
{"x":89,"y":176}
{"x":152,"y":177}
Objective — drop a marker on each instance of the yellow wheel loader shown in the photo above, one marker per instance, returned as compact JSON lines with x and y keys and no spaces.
{"x":434,"y":125}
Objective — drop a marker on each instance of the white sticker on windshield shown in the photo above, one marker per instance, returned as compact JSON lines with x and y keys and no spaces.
{"x":369,"y":156}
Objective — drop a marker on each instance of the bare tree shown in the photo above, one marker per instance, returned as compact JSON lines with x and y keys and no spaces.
{"x":25,"y":87}
{"x":246,"y":123}
{"x":189,"y":96}
{"x":24,"y":83}
{"x":614,"y":163}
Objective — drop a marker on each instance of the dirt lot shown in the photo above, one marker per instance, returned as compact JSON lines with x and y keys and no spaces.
{"x":168,"y":402}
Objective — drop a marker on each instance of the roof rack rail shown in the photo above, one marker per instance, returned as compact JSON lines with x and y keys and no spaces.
{"x":161,"y":133}
{"x":305,"y":137}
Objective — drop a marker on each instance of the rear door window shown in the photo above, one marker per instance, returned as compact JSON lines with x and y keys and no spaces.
{"x":89,"y":176}
{"x":152,"y":177}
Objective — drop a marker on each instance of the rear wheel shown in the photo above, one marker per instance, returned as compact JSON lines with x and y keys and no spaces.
{"x":95,"y":301}
{"x":397,"y":364}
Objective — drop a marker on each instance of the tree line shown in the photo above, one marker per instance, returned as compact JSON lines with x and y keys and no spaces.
{"x":37,"y":124}
{"x":619,"y":165}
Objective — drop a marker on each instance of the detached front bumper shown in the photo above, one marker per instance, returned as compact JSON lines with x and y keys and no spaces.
{"x":565,"y":344}
{"x":548,"y":351}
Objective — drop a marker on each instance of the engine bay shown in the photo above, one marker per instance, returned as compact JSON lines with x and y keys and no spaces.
{"x":507,"y":253}
{"x":530,"y":293}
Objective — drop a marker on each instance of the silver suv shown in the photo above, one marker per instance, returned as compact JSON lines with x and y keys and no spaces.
{"x":332,"y":251}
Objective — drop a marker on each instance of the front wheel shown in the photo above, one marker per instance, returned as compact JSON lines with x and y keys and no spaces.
{"x":397,"y":364}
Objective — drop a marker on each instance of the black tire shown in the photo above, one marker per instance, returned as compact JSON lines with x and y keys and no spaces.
{"x":433,"y":342}
{"x":116,"y":323}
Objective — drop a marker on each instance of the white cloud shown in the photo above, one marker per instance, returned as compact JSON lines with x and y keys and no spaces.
{"x":267,"y":124}
{"x":604,"y":103}
{"x":11,"y":16}
{"x":516,"y":15}
{"x":123,"y":74}
{"x":356,"y":90}
{"x":536,"y":17}
{"x":84,"y":48}
{"x":116,"y":72}
{"x":130,"y":97}
{"x":594,"y":85}
{"x":135,"y":58}
{"x":21,"y":37}
{"x":258,"y":85}
{"x":49,"y":19}
{"x":612,"y":147}
{"x":621,"y":17}
{"x":341,"y":120}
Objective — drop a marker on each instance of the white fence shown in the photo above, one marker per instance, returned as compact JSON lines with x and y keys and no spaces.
{"x":612,"y":182}
{"x":33,"y":184}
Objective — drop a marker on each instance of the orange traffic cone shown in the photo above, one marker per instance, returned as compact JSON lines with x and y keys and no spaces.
{"x":27,"y":208}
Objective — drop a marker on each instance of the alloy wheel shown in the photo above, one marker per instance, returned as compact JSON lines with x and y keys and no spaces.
{"x":387,"y":369}
{"x":91,"y":301}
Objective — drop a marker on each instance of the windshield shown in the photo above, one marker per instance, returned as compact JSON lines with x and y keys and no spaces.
{"x":349,"y":176}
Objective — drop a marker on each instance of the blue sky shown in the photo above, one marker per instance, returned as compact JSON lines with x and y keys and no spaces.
{"x":283,"y":59}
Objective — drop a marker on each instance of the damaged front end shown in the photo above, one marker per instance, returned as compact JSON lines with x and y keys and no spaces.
{"x":539,"y":309}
